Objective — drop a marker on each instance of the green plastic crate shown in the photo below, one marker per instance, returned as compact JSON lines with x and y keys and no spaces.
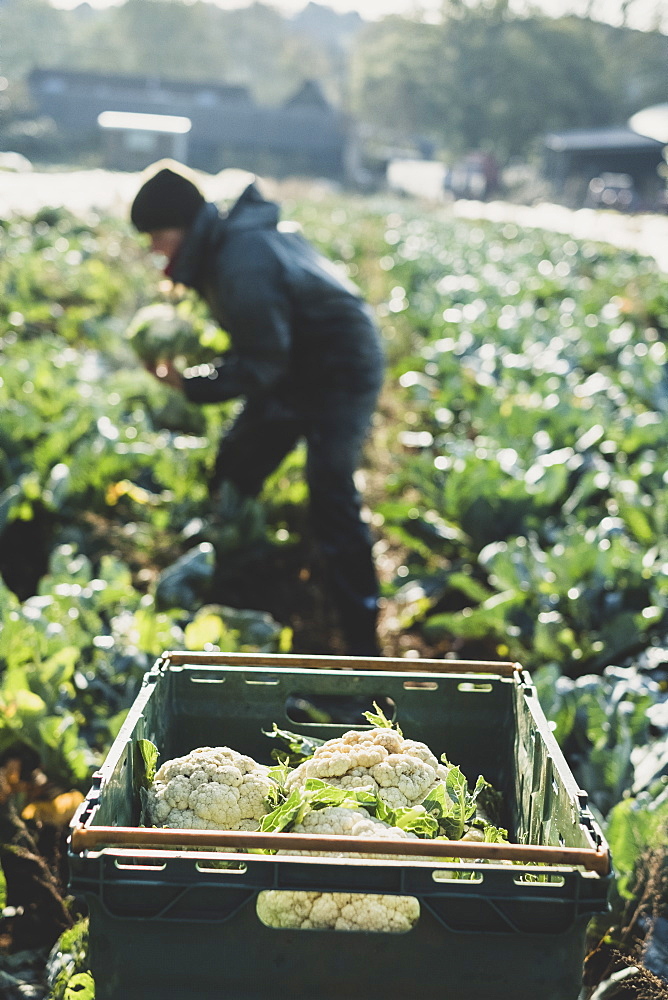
{"x":165,"y":925}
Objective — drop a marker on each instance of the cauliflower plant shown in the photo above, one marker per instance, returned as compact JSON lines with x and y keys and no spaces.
{"x":211,"y":788}
{"x":341,"y":911}
{"x":400,"y":772}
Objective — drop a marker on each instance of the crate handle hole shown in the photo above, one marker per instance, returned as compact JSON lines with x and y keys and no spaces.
{"x":270,"y":679}
{"x":207,"y":680}
{"x":472,"y":687}
{"x":421,"y":685}
{"x":323,"y":912}
{"x":336,"y":709}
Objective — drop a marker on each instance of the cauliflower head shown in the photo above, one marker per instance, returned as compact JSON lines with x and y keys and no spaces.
{"x":340,"y":821}
{"x":400,"y":772}
{"x":211,"y":788}
{"x":340,"y":911}
{"x":161,"y":331}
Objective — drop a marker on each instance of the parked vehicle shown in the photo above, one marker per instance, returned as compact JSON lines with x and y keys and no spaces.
{"x":612,"y":191}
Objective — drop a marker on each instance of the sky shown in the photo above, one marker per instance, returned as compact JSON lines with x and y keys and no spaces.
{"x":640,"y":13}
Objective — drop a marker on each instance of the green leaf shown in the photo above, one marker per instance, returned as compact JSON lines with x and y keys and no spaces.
{"x":205,"y":631}
{"x":25,"y":704}
{"x":638,"y":522}
{"x":489,"y":619}
{"x":320,"y":795}
{"x":379,"y":720}
{"x":415,"y":819}
{"x":301,"y":747}
{"x":495,"y":834}
{"x":80,"y":987}
{"x":634,"y":825}
{"x":452,"y":804}
{"x":59,"y":668}
{"x":145,"y":756}
{"x":315,"y":794}
{"x":286,"y":815}
{"x":463,"y":804}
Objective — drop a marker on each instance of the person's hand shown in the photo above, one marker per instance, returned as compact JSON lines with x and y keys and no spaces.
{"x":165,"y":371}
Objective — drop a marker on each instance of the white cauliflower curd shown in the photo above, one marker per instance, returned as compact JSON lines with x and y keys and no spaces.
{"x":339,"y":821}
{"x":400,"y":772}
{"x":340,"y":911}
{"x":211,"y":788}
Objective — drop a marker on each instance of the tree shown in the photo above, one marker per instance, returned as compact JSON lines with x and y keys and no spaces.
{"x":484,"y":78}
{"x":254,"y":46}
{"x":32,"y":32}
{"x":400,"y":77}
{"x":155,"y":38}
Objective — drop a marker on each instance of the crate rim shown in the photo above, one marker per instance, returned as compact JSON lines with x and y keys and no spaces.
{"x":85,"y":837}
{"x":280,"y":661}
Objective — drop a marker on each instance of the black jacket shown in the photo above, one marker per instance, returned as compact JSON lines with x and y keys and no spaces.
{"x":296,"y":326}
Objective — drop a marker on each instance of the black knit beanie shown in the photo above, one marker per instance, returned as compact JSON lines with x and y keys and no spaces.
{"x":167,"y":200}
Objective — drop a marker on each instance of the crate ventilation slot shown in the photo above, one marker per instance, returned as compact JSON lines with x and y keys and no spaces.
{"x":459,"y":875}
{"x":134,"y":866}
{"x":540,"y":879}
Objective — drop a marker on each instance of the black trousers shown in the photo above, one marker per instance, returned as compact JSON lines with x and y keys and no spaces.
{"x":334,"y":429}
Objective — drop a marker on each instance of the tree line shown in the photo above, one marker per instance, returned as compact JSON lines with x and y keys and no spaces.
{"x":480,"y":77}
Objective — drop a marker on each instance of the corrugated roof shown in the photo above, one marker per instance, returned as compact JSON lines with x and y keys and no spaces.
{"x":150,"y":83}
{"x":619,"y":138}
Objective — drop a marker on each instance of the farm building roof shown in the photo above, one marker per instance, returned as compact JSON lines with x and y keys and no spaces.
{"x":586,"y":140}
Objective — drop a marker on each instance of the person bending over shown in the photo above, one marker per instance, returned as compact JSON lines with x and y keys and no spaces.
{"x":305,"y":355}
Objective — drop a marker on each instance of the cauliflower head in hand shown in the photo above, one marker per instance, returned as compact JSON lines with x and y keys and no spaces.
{"x":400,"y":772}
{"x":211,"y":788}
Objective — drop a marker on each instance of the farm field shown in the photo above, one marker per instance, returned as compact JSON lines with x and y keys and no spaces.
{"x":516,"y":481}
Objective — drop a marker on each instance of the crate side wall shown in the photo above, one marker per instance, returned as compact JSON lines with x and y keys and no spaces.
{"x":148,"y":719}
{"x":472,"y":726}
{"x":546,"y":797}
{"x":242,"y":959}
